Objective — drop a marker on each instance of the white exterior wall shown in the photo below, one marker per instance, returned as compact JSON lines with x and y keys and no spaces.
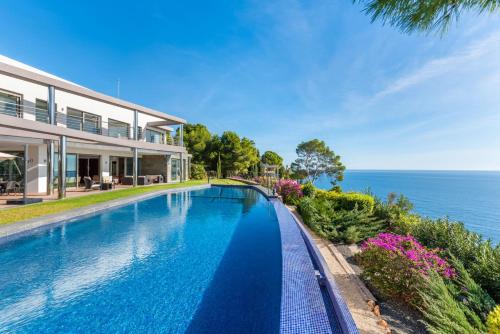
{"x":37,"y":166}
{"x":31,"y":91}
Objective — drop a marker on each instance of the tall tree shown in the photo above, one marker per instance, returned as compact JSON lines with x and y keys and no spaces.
{"x":428,"y":15}
{"x":271,"y":158}
{"x":197,"y":139}
{"x":316,"y":158}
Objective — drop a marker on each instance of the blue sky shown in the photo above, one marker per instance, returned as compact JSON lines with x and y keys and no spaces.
{"x":281,"y":72}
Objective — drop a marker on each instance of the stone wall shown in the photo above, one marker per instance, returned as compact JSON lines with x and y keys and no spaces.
{"x":156,"y":164}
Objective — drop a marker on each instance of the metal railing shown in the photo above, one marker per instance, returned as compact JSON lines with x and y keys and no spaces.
{"x":80,"y":123}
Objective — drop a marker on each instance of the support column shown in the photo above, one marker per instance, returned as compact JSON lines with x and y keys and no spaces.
{"x":51,"y":104}
{"x":181,"y":135}
{"x":135,"y":165}
{"x":25,"y":188}
{"x":136,"y":125}
{"x":181,"y":166}
{"x":62,"y":168}
{"x":181,"y":143}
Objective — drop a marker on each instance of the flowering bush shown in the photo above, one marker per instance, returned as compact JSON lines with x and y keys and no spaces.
{"x":396,"y":264}
{"x":289,"y":190}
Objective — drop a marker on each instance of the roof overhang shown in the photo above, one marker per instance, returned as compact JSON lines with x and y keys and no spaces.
{"x":82,"y":91}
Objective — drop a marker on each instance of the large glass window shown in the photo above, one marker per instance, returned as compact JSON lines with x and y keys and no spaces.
{"x":12,"y":170}
{"x":71,"y":169}
{"x":10,"y":104}
{"x":118,"y":129}
{"x":156,"y":137}
{"x":129,"y":169}
{"x":81,"y":120}
{"x":175,"y":169}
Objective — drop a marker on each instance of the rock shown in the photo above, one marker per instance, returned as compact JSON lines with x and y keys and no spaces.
{"x":376,"y":310}
{"x":371,"y":304}
{"x":383,"y":323}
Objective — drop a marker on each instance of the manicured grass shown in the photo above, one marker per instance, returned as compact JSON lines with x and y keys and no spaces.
{"x":20,"y":213}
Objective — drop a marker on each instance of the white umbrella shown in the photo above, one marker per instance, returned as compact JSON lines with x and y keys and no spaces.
{"x":6,"y":156}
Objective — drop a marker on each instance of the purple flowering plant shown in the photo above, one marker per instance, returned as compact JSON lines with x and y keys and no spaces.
{"x":423,"y":259}
{"x":289,"y":190}
{"x":398,"y":266}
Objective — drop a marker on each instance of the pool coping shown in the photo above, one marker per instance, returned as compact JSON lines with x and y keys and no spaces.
{"x":25,"y":227}
{"x":342,"y":313}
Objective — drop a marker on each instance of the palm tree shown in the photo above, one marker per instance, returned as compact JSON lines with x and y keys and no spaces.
{"x":424,"y":15}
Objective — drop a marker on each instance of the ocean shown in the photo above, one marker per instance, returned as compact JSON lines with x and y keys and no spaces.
{"x":472,"y":197}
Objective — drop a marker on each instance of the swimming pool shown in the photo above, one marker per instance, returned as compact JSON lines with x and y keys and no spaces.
{"x":202,"y":261}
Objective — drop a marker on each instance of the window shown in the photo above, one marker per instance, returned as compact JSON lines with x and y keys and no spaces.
{"x":118,"y":129}
{"x":81,"y":120}
{"x":175,"y":169}
{"x":156,"y":137}
{"x":10,"y":104}
{"x":129,"y":168}
{"x":71,"y":168}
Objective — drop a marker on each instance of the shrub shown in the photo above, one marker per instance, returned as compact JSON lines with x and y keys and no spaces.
{"x":469,"y":293}
{"x":289,"y":190}
{"x":395,"y":264}
{"x":198,"y":172}
{"x":493,"y":322}
{"x":396,"y":212}
{"x":479,"y":257}
{"x":442,"y":312}
{"x":308,"y":189}
{"x":337,"y":225}
{"x":347,"y":201}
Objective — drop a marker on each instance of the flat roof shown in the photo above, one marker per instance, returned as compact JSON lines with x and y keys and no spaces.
{"x":17,"y":69}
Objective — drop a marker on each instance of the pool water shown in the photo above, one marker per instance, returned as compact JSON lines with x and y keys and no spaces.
{"x":204,"y":261}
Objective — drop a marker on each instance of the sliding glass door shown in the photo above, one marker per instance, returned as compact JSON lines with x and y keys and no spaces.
{"x":71,"y":169}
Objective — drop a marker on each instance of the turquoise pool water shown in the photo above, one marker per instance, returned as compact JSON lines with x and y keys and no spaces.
{"x":206,"y":261}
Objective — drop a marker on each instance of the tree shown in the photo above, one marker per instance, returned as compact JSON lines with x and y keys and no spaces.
{"x":271,"y":158}
{"x":419,"y":15}
{"x":197,"y":139}
{"x":316,"y":158}
{"x":219,"y":168}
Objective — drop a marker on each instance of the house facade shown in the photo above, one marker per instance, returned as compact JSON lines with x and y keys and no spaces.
{"x":60,"y":128}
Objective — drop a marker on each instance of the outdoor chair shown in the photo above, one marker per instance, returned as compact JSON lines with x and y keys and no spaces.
{"x":90,"y":184}
{"x":12,"y":186}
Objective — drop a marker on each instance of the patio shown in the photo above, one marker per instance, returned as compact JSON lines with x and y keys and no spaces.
{"x":70,"y":193}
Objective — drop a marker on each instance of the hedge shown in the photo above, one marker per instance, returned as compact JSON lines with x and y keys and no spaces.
{"x":347,"y":201}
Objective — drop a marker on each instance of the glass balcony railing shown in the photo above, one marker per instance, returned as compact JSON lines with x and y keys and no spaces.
{"x":87,"y":122}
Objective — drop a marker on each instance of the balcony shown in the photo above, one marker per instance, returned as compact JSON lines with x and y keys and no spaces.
{"x":86,"y":122}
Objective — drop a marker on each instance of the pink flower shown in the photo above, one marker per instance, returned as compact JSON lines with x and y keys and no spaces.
{"x":423,"y":260}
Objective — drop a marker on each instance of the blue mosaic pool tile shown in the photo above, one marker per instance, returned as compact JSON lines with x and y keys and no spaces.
{"x":302,"y":307}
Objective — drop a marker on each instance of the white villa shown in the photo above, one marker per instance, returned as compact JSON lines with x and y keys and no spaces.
{"x":58,"y":128}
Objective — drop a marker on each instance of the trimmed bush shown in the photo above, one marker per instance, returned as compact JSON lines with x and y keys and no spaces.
{"x":347,"y":201}
{"x":198,"y":172}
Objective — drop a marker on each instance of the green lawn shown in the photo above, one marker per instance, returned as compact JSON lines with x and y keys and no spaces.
{"x":20,"y":213}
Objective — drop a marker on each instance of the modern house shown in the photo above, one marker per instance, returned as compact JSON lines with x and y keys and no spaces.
{"x":62,"y":128}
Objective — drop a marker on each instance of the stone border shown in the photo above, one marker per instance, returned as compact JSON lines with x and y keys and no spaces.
{"x":14,"y":230}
